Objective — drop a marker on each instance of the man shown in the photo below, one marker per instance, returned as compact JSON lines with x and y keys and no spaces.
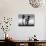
{"x":27,"y":20}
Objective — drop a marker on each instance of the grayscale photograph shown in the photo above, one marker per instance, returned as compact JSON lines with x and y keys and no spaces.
{"x":26,"y":20}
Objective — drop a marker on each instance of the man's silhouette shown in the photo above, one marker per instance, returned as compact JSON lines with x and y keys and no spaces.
{"x":27,"y":20}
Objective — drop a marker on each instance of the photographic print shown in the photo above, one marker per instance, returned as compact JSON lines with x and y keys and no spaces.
{"x":26,"y":20}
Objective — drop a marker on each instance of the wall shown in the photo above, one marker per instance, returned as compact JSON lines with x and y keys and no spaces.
{"x":12,"y":8}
